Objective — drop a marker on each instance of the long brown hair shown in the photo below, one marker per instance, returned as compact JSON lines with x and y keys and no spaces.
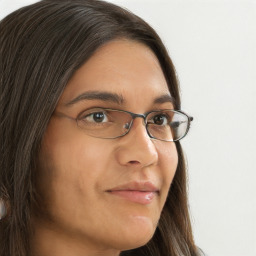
{"x":41,"y":46}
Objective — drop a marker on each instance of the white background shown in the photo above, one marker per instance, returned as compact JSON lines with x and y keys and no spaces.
{"x":213,"y":46}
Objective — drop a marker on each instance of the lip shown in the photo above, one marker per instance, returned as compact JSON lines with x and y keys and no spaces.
{"x":137,"y":192}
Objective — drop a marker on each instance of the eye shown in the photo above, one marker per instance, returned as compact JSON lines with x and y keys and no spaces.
{"x":95,"y":117}
{"x":160,"y":119}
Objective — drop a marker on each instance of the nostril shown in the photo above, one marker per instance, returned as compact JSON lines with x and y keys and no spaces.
{"x":134,"y":162}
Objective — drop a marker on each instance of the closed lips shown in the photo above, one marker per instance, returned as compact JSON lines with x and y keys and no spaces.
{"x":137,"y":192}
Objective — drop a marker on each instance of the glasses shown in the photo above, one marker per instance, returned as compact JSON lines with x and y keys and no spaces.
{"x":105,"y":123}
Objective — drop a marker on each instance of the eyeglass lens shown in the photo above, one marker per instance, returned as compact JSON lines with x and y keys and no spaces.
{"x":167,"y":125}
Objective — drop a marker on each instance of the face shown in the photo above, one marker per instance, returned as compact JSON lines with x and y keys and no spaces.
{"x":107,"y":193}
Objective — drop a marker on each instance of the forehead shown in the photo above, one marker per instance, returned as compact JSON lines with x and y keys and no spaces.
{"x":123,"y":67}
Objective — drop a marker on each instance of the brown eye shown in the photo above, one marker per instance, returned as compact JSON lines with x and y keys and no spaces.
{"x":95,"y":117}
{"x":98,"y":117}
{"x":160,"y":119}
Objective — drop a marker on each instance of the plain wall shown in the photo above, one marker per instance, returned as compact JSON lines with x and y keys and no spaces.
{"x":212,"y":44}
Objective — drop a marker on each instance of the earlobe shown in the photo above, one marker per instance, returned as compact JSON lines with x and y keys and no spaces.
{"x":3,"y":210}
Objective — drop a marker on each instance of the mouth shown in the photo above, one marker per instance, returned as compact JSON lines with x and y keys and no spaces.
{"x":137,"y":192}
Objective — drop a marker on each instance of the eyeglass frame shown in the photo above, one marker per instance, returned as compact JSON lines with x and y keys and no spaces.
{"x":134,"y":115}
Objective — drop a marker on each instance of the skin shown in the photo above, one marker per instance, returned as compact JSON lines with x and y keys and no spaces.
{"x":78,"y":215}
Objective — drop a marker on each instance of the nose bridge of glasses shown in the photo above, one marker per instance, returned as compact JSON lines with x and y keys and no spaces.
{"x":134,"y":116}
{"x":139,"y":115}
{"x":129,"y":121}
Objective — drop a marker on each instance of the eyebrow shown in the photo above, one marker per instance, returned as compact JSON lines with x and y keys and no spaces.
{"x":164,"y":99}
{"x":98,"y":95}
{"x":114,"y":97}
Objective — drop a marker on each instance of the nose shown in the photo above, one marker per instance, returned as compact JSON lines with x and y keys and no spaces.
{"x":136,"y":148}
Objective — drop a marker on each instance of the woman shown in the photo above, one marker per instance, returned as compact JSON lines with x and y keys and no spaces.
{"x":91,"y":162}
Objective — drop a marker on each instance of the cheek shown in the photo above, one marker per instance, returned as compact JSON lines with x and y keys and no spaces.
{"x":69,"y":171}
{"x":72,"y":158}
{"x":168,"y":159}
{"x":69,"y":162}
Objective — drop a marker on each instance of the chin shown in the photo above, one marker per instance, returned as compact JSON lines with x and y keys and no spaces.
{"x":137,"y":233}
